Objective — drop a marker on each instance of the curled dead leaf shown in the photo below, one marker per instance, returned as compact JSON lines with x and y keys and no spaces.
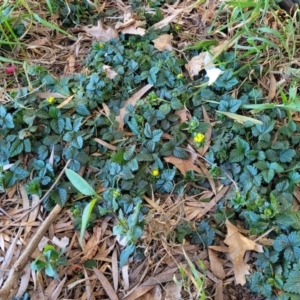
{"x":100,"y":34}
{"x":163,"y":42}
{"x":110,"y":73}
{"x":237,"y":246}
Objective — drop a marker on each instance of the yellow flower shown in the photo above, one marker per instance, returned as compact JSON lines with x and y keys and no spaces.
{"x":180,"y":76}
{"x":50,"y":100}
{"x":177,"y":27}
{"x":116,"y":193}
{"x":199,"y":137}
{"x":155,"y":172}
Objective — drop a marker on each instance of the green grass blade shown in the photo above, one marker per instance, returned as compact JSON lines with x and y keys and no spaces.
{"x":239,"y":118}
{"x":85,"y":217}
{"x":49,"y":25}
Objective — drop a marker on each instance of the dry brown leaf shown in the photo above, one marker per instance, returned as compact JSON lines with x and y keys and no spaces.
{"x":132,"y":100}
{"x":168,"y":19}
{"x":273,"y":87}
{"x":23,"y":285}
{"x":38,"y":43}
{"x":65,"y":102}
{"x":125,"y":277}
{"x":213,"y":201}
{"x":135,"y":29}
{"x":151,"y":283}
{"x":130,"y":25}
{"x":105,"y":144}
{"x":238,"y":245}
{"x":91,"y":247}
{"x":173,"y":291}
{"x":163,"y":42}
{"x":114,"y":269}
{"x":216,"y":265}
{"x":61,"y":243}
{"x":45,"y":95}
{"x":203,"y":61}
{"x":195,"y":65}
{"x":100,"y":34}
{"x":219,"y":291}
{"x":110,"y":73}
{"x":184,"y":115}
{"x":183,"y":165}
{"x":70,"y":67}
{"x":106,"y":285}
{"x":88,"y":286}
{"x":154,"y":294}
{"x":58,"y":288}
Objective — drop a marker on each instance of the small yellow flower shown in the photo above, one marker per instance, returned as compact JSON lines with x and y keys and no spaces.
{"x":116,"y":193}
{"x":180,"y":76}
{"x":177,"y":27}
{"x":199,"y":137}
{"x":155,"y":172}
{"x":50,"y":100}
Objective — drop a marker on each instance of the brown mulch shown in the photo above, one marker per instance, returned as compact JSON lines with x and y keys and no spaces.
{"x":239,"y":292}
{"x":162,"y":253}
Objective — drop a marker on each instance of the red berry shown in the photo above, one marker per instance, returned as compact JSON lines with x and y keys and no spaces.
{"x":10,"y":70}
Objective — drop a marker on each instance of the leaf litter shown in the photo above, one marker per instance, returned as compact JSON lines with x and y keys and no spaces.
{"x":104,"y":251}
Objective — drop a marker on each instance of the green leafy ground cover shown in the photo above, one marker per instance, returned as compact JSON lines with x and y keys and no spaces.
{"x":262,"y":160}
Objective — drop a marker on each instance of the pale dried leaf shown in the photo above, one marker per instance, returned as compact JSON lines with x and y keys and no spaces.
{"x":173,"y":291}
{"x":166,"y":21}
{"x":88,"y":287}
{"x":238,"y":245}
{"x":132,"y":100}
{"x":43,"y":242}
{"x":38,"y":43}
{"x":100,"y":34}
{"x":9,"y":255}
{"x":91,"y":247}
{"x":57,"y":291}
{"x":70,"y":67}
{"x":114,"y":269}
{"x":184,"y":115}
{"x":123,"y":241}
{"x":216,"y":265}
{"x":105,"y":144}
{"x":23,"y":285}
{"x":65,"y":102}
{"x":125,"y":277}
{"x":110,"y":73}
{"x":45,"y":95}
{"x":219,"y":291}
{"x":272,"y":87}
{"x":200,"y":62}
{"x":61,"y":243}
{"x":163,"y":42}
{"x":214,"y":201}
{"x":135,"y":29}
{"x":154,"y":294}
{"x":195,"y":65}
{"x":106,"y":285}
